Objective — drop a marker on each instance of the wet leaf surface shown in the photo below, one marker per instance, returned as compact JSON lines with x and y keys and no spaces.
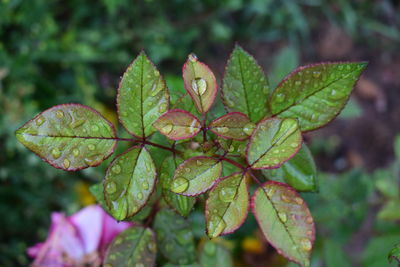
{"x":234,"y":125}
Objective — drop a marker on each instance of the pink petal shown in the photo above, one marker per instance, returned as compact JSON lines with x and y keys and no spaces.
{"x":88,"y":222}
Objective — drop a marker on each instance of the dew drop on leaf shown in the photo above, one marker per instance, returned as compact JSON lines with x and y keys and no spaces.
{"x":227,"y":194}
{"x":282,"y":216}
{"x":280,"y":98}
{"x":91,"y":147}
{"x":163,"y":107}
{"x":299,"y":200}
{"x":66,"y":163}
{"x":316,"y":74}
{"x":179,"y":185}
{"x":75,"y":152}
{"x":40,"y":120}
{"x":140,"y":196}
{"x":152,"y":247}
{"x":192,"y":57}
{"x":199,"y":86}
{"x":59,"y":114}
{"x":56,"y":153}
{"x":223,"y":129}
{"x":95,"y":128}
{"x":297,"y":83}
{"x":145,"y":185}
{"x":306,"y":244}
{"x":249,"y":128}
{"x":216,"y":226}
{"x":116,"y":169}
{"x":111,"y":188}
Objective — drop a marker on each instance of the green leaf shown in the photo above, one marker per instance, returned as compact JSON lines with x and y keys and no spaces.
{"x":315,"y":94}
{"x":178,"y":124}
{"x":142,"y":97}
{"x":299,"y":172}
{"x":135,"y":246}
{"x":69,"y":137}
{"x":285,"y":221}
{"x":233,"y":147}
{"x":234,"y":125}
{"x":196,"y":175}
{"x":182,"y":204}
{"x":245,"y":87}
{"x":175,"y":237}
{"x":390,"y":210}
{"x":394,"y":254}
{"x":376,"y":250}
{"x":129,"y":182}
{"x":227,"y":205}
{"x":200,"y":83}
{"x":273,"y":142}
{"x":213,"y":254}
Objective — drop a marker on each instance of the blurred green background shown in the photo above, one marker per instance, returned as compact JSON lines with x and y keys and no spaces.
{"x":54,"y":52}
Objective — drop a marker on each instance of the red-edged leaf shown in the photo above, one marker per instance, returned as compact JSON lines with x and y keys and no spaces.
{"x":142,"y":97}
{"x":285,"y":220}
{"x":227,"y":205}
{"x":200,"y":83}
{"x":273,"y":142}
{"x":234,"y":125}
{"x":196,"y":175}
{"x":315,"y":94}
{"x":178,"y":124}
{"x":69,"y":137}
{"x":129,"y":182}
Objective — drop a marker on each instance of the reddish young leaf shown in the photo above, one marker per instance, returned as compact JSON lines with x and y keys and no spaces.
{"x":315,"y":94}
{"x":200,"y":83}
{"x":69,"y":137}
{"x":196,"y":175}
{"x":285,"y":220}
{"x":227,"y":205}
{"x":234,"y":125}
{"x":178,"y":124}
{"x":273,"y":142}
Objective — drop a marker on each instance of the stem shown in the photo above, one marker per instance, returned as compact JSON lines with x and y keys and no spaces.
{"x":204,"y":127}
{"x":240,"y":166}
{"x":171,"y":149}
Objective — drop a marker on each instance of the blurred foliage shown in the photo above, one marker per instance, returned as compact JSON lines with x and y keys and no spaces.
{"x":54,"y":52}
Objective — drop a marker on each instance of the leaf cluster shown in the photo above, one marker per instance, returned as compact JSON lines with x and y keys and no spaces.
{"x":261,"y":136}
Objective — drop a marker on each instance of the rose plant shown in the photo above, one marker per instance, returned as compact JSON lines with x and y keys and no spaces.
{"x":214,"y":154}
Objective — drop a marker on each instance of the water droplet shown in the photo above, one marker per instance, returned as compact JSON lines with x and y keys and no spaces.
{"x":316,"y":74}
{"x":199,"y":86}
{"x":299,"y":200}
{"x":285,"y":198}
{"x":108,"y":265}
{"x":227,"y":194}
{"x":179,"y":185}
{"x":309,"y":233}
{"x":139,"y":264}
{"x":59,"y":114}
{"x":162,"y":107}
{"x":56,"y":153}
{"x":306,"y":244}
{"x":40,"y":120}
{"x":66,"y":163}
{"x":216,"y":226}
{"x":198,"y":162}
{"x":116,"y":169}
{"x":297,"y":83}
{"x":140,"y":196}
{"x":210,"y":248}
{"x":75,"y":152}
{"x":249,"y":128}
{"x":294,"y":145}
{"x":282,"y":216}
{"x":275,"y":151}
{"x":340,"y":67}
{"x":231,"y":149}
{"x":145,"y":185}
{"x":223,"y":129}
{"x":187,"y":170}
{"x":192,"y":57}
{"x":91,"y":147}
{"x":148,"y":166}
{"x":156,"y":73}
{"x":111,"y":188}
{"x":280,"y":98}
{"x":309,"y":219}
{"x":270,"y":192}
{"x":95,"y":128}
{"x":76,"y":123}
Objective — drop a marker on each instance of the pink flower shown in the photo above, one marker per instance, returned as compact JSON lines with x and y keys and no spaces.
{"x":78,"y":240}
